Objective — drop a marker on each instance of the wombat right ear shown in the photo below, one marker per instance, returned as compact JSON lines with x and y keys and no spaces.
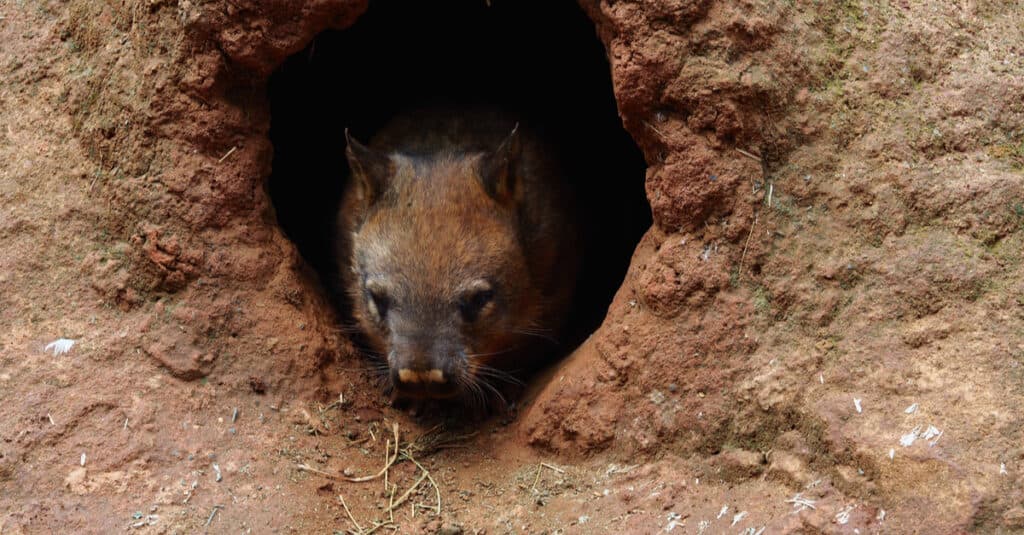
{"x":370,"y":169}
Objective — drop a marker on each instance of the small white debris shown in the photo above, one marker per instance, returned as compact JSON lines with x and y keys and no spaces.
{"x":800,"y":503}
{"x":725,"y":509}
{"x":892,"y":453}
{"x":737,"y":517}
{"x":930,"y":433}
{"x":150,"y":520}
{"x":856,"y":404}
{"x":911,"y":409}
{"x":82,"y":460}
{"x":753,"y":531}
{"x":583,"y":519}
{"x":842,"y":517}
{"x":821,"y":378}
{"x":673,"y":521}
{"x":1002,"y":469}
{"x":909,"y":438}
{"x":703,"y":526}
{"x":880,"y":516}
{"x":59,"y":346}
{"x":216,"y":469}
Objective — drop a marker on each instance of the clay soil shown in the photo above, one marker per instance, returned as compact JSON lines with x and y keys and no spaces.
{"x":823,"y":331}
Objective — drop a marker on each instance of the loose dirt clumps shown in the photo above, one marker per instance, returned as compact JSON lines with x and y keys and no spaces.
{"x":822,"y":332}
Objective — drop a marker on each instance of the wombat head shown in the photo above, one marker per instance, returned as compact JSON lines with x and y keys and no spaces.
{"x":440,"y":282}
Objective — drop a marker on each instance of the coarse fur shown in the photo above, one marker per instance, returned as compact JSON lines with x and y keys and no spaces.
{"x":459,"y":252}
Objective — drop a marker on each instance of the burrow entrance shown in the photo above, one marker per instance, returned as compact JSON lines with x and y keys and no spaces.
{"x":541,"y":60}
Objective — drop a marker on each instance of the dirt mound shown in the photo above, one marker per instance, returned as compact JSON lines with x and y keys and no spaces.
{"x":822,"y":332}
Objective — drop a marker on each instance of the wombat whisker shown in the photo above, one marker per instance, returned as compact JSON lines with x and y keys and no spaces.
{"x":536,"y":335}
{"x":473,"y":391}
{"x":494,"y":390}
{"x":472,"y":356}
{"x":346,"y":329}
{"x":537,"y":328}
{"x":494,"y":373}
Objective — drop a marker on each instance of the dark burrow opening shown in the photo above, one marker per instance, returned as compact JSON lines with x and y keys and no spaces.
{"x":541,"y":60}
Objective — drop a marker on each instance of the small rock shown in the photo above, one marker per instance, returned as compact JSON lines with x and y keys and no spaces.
{"x":788,"y":468}
{"x":450,"y":529}
{"x":348,"y":472}
{"x":736,"y":465}
{"x":1014,"y":518}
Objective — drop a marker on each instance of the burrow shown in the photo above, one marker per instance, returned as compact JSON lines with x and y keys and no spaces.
{"x":542,"y":63}
{"x":244,"y":132}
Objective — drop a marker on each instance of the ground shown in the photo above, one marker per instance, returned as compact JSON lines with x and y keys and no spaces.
{"x":823,"y":332}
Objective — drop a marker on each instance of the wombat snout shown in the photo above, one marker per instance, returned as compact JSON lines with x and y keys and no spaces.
{"x":425,"y":366}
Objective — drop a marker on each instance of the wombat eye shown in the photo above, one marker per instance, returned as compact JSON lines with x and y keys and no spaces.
{"x":473,"y":303}
{"x":379,"y":300}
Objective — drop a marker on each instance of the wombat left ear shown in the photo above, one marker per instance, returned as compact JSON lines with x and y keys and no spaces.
{"x":370,"y":169}
{"x":498,"y":173}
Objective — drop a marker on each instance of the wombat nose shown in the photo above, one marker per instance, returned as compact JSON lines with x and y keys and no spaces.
{"x":410,"y":376}
{"x":423,"y":383}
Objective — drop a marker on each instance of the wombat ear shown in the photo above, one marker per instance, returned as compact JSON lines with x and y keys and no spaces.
{"x":370,"y":169}
{"x":498,"y":173}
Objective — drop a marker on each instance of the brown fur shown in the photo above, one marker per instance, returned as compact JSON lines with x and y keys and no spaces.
{"x":443,"y":211}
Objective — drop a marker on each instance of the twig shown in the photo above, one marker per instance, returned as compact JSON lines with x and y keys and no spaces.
{"x":190,"y":491}
{"x":350,"y":517}
{"x":754,"y":157}
{"x":376,"y":526}
{"x":213,"y":514}
{"x":51,"y":419}
{"x":234,"y":415}
{"x":656,"y":131}
{"x":555,"y":468}
{"x":437,"y":490}
{"x":230,"y":152}
{"x":540,"y":467}
{"x":391,"y":504}
{"x":387,"y":465}
{"x":405,"y":495}
{"x":308,"y":468}
{"x":387,"y":451}
{"x":744,"y":255}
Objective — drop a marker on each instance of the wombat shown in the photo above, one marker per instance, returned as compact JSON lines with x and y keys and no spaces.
{"x":458,"y":232}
